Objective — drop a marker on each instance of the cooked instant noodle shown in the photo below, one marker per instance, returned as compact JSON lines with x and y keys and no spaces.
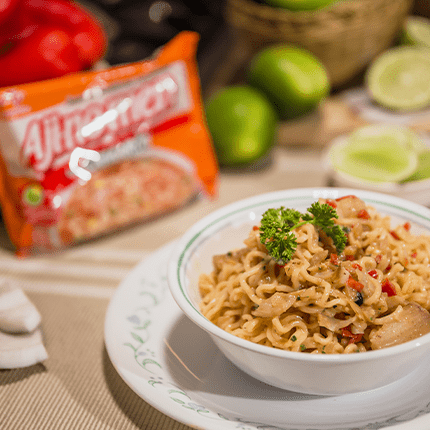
{"x":373,"y":295}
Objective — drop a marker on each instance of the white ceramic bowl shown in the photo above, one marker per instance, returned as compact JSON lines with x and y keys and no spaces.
{"x":330,"y":374}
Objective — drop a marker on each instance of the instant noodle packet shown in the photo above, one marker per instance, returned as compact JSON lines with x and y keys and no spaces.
{"x":89,"y":153}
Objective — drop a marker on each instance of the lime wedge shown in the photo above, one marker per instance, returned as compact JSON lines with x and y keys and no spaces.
{"x":416,"y":31}
{"x":399,"y":79}
{"x":376,"y":154}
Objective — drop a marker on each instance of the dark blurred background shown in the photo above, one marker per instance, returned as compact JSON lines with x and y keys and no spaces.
{"x":136,"y":28}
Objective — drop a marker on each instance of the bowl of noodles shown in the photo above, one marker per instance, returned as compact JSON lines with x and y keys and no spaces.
{"x":321,"y":291}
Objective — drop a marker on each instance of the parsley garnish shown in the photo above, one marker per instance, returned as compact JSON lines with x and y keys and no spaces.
{"x":277,"y":225}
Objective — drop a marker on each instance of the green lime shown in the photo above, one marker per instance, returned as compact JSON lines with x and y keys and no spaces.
{"x":423,"y":170}
{"x":243,"y":124}
{"x":293,"y":78}
{"x":399,"y":79}
{"x":377,"y":154}
{"x":298,"y":5}
{"x":416,"y":31}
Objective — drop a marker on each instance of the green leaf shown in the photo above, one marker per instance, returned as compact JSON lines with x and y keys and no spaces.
{"x":277,"y":225}
{"x":137,"y":337}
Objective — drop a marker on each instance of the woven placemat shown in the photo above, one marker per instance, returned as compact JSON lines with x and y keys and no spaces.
{"x":77,"y":387}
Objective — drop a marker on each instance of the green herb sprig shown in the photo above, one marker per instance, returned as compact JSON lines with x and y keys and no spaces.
{"x":277,"y":225}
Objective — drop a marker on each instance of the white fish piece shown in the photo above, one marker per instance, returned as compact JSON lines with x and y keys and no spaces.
{"x":17,"y":313}
{"x":21,"y":350}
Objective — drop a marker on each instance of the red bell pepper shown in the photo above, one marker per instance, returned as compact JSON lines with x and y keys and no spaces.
{"x":49,"y":53}
{"x":7,"y":8}
{"x":51,"y":38}
{"x":87,"y":34}
{"x":14,"y":24}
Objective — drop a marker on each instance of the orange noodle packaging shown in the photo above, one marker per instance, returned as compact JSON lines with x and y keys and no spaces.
{"x":86,"y":154}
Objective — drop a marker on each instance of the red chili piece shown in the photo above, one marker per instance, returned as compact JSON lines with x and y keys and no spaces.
{"x":363,"y":214}
{"x":331,"y":203}
{"x":334,"y":259}
{"x":373,"y":274}
{"x":354,"y":338}
{"x":357,"y":266}
{"x":407,"y":226}
{"x":349,"y":257}
{"x":388,"y":287}
{"x":346,"y":197}
{"x":395,"y":235}
{"x":351,"y":282}
{"x":255,"y":228}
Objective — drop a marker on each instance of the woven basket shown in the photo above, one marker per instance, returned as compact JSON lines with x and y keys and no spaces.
{"x":345,"y":36}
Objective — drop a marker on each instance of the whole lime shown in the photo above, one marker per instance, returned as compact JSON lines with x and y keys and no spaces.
{"x":243,"y":123}
{"x":298,"y":5}
{"x":292,"y":77}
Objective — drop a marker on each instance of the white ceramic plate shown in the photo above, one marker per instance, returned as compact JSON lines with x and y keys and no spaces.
{"x":174,"y":366}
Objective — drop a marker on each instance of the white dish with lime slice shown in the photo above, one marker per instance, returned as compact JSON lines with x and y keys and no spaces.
{"x":384,"y":158}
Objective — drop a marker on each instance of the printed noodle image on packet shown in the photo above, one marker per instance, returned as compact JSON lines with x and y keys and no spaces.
{"x":89,"y":153}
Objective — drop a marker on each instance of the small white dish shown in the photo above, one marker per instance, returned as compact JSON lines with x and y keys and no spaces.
{"x":329,"y":374}
{"x":416,"y":191}
{"x":174,"y":366}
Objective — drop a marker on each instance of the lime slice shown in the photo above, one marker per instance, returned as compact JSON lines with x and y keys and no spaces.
{"x":395,"y":134}
{"x":376,"y":154}
{"x":399,"y":79}
{"x":416,"y":31}
{"x":423,"y":170}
